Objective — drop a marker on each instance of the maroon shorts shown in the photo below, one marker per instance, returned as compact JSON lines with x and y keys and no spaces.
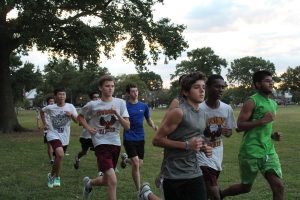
{"x":57,"y":143}
{"x":107,"y":156}
{"x":210,"y":175}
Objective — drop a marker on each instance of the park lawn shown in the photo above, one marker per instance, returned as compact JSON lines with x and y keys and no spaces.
{"x":24,"y":163}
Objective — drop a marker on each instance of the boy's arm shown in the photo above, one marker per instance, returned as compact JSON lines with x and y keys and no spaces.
{"x":170,"y":123}
{"x":244,"y":122}
{"x":42,"y":114}
{"x":83,"y":122}
{"x":151,"y":124}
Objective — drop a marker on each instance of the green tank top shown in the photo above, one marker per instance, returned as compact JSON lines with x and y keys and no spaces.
{"x":257,"y":142}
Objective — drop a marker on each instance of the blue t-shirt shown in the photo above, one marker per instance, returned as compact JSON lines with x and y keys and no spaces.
{"x":137,"y":112}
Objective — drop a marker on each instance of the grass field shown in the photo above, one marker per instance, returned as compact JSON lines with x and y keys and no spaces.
{"x":24,"y":163}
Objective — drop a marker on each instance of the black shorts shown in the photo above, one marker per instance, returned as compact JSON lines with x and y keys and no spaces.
{"x":86,"y":144}
{"x":187,"y":189}
{"x":135,"y":148}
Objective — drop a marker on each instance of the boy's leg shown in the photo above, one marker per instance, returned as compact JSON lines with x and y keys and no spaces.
{"x":276,"y":185}
{"x":107,"y":158}
{"x":210,"y":176}
{"x":248,"y":173}
{"x":271,"y":169}
{"x":59,"y":154}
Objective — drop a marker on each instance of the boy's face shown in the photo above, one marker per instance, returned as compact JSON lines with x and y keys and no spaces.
{"x":216,"y":89}
{"x":60,"y":97}
{"x":107,"y":89}
{"x":50,"y":101}
{"x":265,"y":85}
{"x":133,"y":93}
{"x":197,"y":92}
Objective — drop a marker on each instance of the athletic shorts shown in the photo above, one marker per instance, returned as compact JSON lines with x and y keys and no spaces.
{"x":210,"y":175}
{"x":187,"y":189}
{"x":107,"y":156}
{"x":86,"y":144}
{"x":57,"y":143}
{"x":135,"y":148}
{"x":249,"y":167}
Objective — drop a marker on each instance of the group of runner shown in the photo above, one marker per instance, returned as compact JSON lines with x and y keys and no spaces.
{"x":190,"y":133}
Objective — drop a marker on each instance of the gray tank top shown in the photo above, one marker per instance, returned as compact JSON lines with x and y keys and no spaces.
{"x":180,"y":163}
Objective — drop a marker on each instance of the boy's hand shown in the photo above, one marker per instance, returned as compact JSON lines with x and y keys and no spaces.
{"x":195,"y":143}
{"x":276,"y":136}
{"x":268,"y":117}
{"x":207,"y":150}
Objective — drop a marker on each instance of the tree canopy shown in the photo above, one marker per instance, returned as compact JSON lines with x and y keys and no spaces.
{"x":242,"y":69}
{"x":204,"y":60}
{"x":84,"y":30}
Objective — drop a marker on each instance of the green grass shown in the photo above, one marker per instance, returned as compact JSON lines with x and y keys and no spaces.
{"x":24,"y":163}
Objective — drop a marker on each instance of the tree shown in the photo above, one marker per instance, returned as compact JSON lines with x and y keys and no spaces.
{"x":24,"y":79}
{"x":242,"y":69}
{"x":123,"y":80}
{"x":152,"y":80}
{"x":291,"y":79}
{"x":204,"y":60}
{"x":84,"y":30}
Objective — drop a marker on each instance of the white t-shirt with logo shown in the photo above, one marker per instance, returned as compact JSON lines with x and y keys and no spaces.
{"x":102,"y":118}
{"x":217,"y":118}
{"x":58,"y":122}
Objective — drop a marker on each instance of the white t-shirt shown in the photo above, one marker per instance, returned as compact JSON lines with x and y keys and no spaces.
{"x":217,"y":118}
{"x":85,"y":133}
{"x":106,"y":123}
{"x":59,"y":123}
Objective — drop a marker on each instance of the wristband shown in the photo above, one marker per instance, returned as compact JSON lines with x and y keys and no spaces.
{"x":186,"y":145}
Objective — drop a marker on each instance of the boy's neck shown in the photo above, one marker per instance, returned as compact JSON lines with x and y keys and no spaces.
{"x":106,"y":98}
{"x":213,"y":103}
{"x":133,"y":101}
{"x":61,"y":104}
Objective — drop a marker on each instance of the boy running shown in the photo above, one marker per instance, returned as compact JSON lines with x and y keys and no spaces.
{"x":106,"y":118}
{"x":220,"y":122}
{"x":85,"y":137}
{"x":180,"y":136}
{"x":58,"y":134}
{"x":134,"y":138}
{"x":257,"y":151}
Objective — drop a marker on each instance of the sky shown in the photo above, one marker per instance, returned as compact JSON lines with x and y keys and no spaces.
{"x":232,"y":28}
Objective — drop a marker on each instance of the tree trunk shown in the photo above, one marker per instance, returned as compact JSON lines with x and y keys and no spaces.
{"x":8,"y":117}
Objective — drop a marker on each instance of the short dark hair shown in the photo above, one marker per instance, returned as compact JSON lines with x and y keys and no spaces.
{"x":190,"y":79}
{"x":212,"y":78}
{"x":48,"y":98}
{"x":59,"y":89}
{"x":181,"y":78}
{"x":105,"y":78}
{"x":129,"y":86}
{"x":260,"y":75}
{"x":92,"y":94}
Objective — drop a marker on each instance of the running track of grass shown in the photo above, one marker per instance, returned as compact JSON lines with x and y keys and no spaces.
{"x":24,"y":163}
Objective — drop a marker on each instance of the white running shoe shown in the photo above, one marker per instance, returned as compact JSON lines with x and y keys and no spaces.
{"x":87,"y":191}
{"x":124,"y":158}
{"x":145,"y":187}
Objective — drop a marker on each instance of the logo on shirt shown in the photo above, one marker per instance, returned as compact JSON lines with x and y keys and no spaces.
{"x":59,"y":121}
{"x":107,"y":124}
